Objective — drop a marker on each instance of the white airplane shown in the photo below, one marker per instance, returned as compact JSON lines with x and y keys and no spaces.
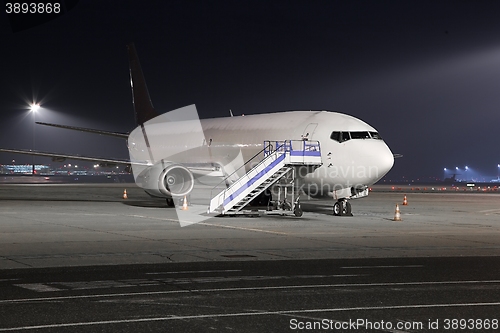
{"x":168,"y":153}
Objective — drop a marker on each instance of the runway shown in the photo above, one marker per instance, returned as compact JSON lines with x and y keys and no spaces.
{"x":81,"y":258}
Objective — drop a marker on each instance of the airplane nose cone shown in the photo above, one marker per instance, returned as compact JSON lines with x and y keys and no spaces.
{"x":380,"y":160}
{"x":386,"y":161}
{"x":361,"y":162}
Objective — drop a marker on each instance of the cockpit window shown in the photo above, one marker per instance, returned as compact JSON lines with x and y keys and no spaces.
{"x":360,"y":135}
{"x":344,"y":136}
{"x":335,"y":136}
{"x":340,"y":136}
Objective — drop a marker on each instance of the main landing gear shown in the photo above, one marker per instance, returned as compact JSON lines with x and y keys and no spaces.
{"x":342,"y":208}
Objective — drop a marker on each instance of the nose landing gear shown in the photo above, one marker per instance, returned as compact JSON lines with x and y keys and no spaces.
{"x":342,"y":208}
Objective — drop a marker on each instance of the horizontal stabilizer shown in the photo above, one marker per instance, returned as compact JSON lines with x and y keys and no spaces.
{"x":89,"y":130}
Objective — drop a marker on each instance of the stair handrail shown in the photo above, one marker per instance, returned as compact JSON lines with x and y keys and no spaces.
{"x":280,"y":144}
{"x":249,"y":160}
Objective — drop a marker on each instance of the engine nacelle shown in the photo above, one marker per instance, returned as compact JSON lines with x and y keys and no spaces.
{"x":166,"y":180}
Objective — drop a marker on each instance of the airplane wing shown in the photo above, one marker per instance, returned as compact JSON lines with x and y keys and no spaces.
{"x":198,"y":169}
{"x":61,"y":157}
{"x":89,"y":130}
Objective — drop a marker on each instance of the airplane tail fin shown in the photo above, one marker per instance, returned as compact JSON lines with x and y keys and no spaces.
{"x":143,"y":107}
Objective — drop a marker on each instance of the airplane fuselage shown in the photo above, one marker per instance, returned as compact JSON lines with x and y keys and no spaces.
{"x":353,"y":153}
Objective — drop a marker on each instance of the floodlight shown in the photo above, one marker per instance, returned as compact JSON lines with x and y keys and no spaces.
{"x":34,"y":107}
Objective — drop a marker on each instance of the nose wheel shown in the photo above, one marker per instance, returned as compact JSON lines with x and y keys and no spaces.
{"x":342,"y":208}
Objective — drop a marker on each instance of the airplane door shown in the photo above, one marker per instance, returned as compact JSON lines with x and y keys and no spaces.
{"x":309,"y":131}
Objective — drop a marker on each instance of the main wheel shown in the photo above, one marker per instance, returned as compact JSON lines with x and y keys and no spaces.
{"x":170,"y":202}
{"x":347,"y":209}
{"x":337,"y":208}
{"x":341,"y":208}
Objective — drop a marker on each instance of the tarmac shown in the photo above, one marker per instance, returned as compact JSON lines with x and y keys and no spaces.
{"x":61,"y":225}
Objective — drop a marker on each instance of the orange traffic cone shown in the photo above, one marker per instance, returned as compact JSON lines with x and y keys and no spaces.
{"x":125,"y":196}
{"x":185,"y":204}
{"x":405,"y":201}
{"x":397,"y":214}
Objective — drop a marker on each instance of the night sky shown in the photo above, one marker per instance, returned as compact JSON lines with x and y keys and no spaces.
{"x":425,"y":74}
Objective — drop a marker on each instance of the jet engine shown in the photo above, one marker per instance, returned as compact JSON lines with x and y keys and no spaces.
{"x":166,"y":180}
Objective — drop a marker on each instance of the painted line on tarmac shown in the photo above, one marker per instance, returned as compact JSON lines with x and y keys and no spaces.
{"x":388,"y":266}
{"x":212,"y":271}
{"x":186,"y":291}
{"x":108,"y":284}
{"x":249,"y":314}
{"x":38,"y":287}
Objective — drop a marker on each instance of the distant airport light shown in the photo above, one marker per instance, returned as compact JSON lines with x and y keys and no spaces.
{"x":445,"y":169}
{"x":34,"y":107}
{"x":466,"y":167}
{"x":456,"y":168}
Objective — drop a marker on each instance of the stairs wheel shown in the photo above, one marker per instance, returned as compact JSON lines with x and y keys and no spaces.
{"x":298,"y":212}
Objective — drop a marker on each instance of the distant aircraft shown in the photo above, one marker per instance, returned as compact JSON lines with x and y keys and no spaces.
{"x":451,"y":179}
{"x":165,"y":156}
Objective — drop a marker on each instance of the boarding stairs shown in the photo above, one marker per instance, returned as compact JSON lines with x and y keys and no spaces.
{"x":279,"y":158}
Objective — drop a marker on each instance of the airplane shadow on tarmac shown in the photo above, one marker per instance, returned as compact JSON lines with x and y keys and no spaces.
{"x":311,"y":207}
{"x":325,"y":209}
{"x":147,"y":203}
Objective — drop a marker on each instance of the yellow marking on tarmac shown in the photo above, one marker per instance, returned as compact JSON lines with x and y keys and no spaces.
{"x":212,"y":225}
{"x":314,"y":233}
{"x":246,"y":229}
{"x":490,"y":211}
{"x":152,"y":218}
{"x":239,"y":228}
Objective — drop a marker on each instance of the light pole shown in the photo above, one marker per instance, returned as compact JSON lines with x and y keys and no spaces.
{"x":34,"y":108}
{"x":498,"y":172}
